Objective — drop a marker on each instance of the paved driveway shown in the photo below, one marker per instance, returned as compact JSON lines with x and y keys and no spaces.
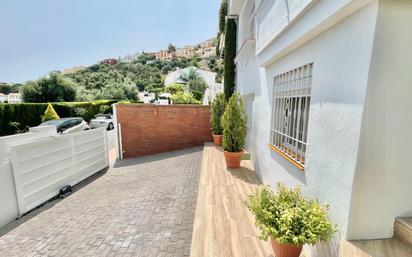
{"x":140,"y":207}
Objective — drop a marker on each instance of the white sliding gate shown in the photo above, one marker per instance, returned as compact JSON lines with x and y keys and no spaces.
{"x":41,"y":168}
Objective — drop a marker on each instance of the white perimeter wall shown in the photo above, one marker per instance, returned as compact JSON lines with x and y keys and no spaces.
{"x":383,"y":180}
{"x":341,"y":57}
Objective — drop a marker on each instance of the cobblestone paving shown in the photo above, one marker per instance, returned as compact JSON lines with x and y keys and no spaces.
{"x":141,"y":207}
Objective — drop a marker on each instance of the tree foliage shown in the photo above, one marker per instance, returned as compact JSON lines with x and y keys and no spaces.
{"x":234,"y":123}
{"x":217,"y":110}
{"x":184,"y":98}
{"x":222,"y":16}
{"x":174,"y":89}
{"x":53,"y":88}
{"x":229,"y":59}
{"x":171,"y":48}
{"x":9,"y":88}
{"x":197,"y":85}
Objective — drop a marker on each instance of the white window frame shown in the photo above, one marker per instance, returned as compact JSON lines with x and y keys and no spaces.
{"x":290,"y":114}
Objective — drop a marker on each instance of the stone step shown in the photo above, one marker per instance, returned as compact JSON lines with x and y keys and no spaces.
{"x":400,"y":245}
{"x":403,"y":229}
{"x":392,"y":247}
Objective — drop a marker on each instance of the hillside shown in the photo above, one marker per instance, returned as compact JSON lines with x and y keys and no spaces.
{"x":121,"y":78}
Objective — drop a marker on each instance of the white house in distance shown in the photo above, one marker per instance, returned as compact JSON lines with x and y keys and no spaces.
{"x":208,"y":76}
{"x":11,"y":98}
{"x":146,"y":97}
{"x":327,"y":86}
{"x":3,"y":98}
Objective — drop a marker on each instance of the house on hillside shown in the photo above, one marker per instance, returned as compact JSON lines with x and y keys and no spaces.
{"x":327,"y":89}
{"x":187,"y":51}
{"x":147,"y":97}
{"x":176,"y":75}
{"x":165,"y":54}
{"x":110,"y":61}
{"x":208,"y":76}
{"x":3,"y":98}
{"x":14,"y":98}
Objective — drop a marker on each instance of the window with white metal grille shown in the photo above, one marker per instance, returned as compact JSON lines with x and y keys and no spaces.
{"x":290,"y":114}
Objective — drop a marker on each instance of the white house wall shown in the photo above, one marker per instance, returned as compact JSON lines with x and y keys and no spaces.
{"x":316,"y":17}
{"x":341,"y":58}
{"x":383,"y":179}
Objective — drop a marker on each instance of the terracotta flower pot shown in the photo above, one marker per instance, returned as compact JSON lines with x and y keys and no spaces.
{"x":233,"y":159}
{"x":286,"y":250}
{"x":217,"y":139}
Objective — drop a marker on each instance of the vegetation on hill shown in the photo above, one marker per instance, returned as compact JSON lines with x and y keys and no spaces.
{"x":10,"y":88}
{"x":121,"y":81}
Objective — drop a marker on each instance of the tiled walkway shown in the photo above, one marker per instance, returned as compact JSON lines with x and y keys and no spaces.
{"x":141,"y":207}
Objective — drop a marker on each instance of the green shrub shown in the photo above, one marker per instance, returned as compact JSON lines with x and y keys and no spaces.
{"x":217,"y":110}
{"x":174,"y":88}
{"x":104,"y":109}
{"x":124,"y":102}
{"x":50,"y":114}
{"x":234,"y":125}
{"x":197,"y":95}
{"x":184,"y":98}
{"x":288,"y":217}
{"x":80,"y":111}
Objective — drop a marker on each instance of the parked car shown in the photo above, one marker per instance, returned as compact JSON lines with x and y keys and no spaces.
{"x":102,"y":121}
{"x":67,"y":125}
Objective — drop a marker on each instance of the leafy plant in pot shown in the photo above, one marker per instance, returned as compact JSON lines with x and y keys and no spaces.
{"x":234,"y":131}
{"x":217,"y":110}
{"x":290,"y":219}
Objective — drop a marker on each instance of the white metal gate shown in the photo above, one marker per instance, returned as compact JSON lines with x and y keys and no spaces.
{"x":43,"y":167}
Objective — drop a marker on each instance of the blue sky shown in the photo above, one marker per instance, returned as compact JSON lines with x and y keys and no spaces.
{"x":37,"y":36}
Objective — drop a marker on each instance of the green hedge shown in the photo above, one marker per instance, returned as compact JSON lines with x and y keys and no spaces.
{"x":30,"y":114}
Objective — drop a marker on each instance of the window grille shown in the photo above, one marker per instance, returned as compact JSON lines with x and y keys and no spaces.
{"x":290,"y":113}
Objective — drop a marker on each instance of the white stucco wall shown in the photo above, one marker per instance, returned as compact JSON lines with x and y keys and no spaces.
{"x":315,"y":17}
{"x":382,"y":184}
{"x":341,"y":57}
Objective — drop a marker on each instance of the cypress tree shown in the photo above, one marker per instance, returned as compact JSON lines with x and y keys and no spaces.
{"x":222,"y":16}
{"x":229,"y":58}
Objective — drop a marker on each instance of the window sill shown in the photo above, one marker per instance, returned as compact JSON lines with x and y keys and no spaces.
{"x":297,"y":165}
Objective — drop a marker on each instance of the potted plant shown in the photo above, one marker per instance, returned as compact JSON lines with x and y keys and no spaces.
{"x":234,"y":131}
{"x":289,"y":219}
{"x":217,"y":110}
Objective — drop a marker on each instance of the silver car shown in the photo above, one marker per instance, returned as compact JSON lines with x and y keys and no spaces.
{"x":67,"y":125}
{"x":102,"y":121}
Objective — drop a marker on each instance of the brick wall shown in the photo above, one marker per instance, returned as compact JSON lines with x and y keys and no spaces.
{"x":150,"y":129}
